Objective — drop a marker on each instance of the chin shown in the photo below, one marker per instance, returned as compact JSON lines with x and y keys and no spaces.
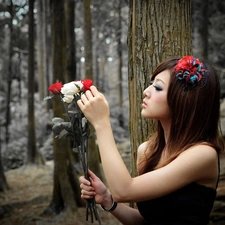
{"x":144,"y":115}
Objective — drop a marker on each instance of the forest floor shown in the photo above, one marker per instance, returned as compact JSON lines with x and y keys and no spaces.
{"x":31,"y":191}
{"x":29,"y":195}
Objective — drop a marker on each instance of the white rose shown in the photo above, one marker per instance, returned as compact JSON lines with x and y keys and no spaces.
{"x":71,"y":88}
{"x":79,"y":84}
{"x":68,"y":98}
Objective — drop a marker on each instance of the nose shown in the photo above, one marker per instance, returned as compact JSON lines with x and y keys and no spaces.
{"x":146,"y":92}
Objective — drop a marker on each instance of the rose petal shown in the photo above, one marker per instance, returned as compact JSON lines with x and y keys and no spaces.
{"x":55,"y":88}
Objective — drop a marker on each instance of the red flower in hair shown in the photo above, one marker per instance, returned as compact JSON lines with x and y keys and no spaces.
{"x":190,"y":71}
{"x":55,"y":88}
{"x":87,"y":83}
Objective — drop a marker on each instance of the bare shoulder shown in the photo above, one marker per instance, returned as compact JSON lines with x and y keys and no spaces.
{"x":198,"y":164}
{"x":204,"y":163}
{"x":201,"y":152}
{"x":142,"y":147}
{"x":141,"y":151}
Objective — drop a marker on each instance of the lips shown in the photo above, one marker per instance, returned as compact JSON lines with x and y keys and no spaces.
{"x":144,"y":104}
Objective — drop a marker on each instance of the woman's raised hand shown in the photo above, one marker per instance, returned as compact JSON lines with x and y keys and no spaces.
{"x":95,"y":107}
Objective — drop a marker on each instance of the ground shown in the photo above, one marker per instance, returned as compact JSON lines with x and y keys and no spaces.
{"x":31,"y":190}
{"x":30,"y":193}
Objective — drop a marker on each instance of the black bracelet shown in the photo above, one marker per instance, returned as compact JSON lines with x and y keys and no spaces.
{"x":111,"y":208}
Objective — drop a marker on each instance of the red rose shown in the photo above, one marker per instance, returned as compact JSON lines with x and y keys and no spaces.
{"x":87,"y":83}
{"x":55,"y":88}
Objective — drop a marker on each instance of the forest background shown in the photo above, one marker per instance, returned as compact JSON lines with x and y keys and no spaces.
{"x":26,"y":70}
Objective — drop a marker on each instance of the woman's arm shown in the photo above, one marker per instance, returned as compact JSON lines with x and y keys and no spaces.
{"x":196,"y":164}
{"x":127,"y":215}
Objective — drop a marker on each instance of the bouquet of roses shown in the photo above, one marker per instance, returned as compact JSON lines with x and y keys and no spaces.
{"x":77,"y":127}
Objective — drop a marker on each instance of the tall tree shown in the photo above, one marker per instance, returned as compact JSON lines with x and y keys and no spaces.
{"x":66,"y":191}
{"x":33,"y":155}
{"x":9,"y":77}
{"x":203,"y":29}
{"x":88,"y":39}
{"x":3,"y":183}
{"x":40,"y":50}
{"x":120,"y":63}
{"x":42,"y":47}
{"x":93,"y":153}
{"x":157,"y":30}
{"x":69,"y":7}
{"x":200,"y":28}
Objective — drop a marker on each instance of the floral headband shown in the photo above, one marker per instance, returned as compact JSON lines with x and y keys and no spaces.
{"x":190,"y":72}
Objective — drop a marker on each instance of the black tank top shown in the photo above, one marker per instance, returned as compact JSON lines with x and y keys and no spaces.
{"x":190,"y":205}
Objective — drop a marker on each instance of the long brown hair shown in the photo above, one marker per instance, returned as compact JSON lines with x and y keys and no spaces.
{"x":195,"y":114}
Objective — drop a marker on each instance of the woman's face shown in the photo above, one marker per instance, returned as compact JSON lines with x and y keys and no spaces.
{"x":155,"y":105}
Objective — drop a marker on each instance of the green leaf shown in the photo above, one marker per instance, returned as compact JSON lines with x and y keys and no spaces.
{"x":56,"y":120}
{"x":48,"y":97}
{"x":63,"y":133}
{"x":67,"y":126}
{"x":75,"y":111}
{"x":57,"y":128}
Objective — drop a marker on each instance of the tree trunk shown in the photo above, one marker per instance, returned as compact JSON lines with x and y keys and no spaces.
{"x":87,"y":39}
{"x":40,"y":51}
{"x":120,"y":65}
{"x":9,"y":77}
{"x":157,"y":30}
{"x":33,"y":155}
{"x":66,"y":191}
{"x":93,"y":152}
{"x":203,"y":29}
{"x":69,"y":7}
{"x":3,"y":183}
{"x":42,"y":48}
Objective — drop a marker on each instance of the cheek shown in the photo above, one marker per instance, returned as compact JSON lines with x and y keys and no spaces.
{"x":161,"y":101}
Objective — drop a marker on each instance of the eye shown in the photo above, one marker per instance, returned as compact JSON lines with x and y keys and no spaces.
{"x":157,"y":88}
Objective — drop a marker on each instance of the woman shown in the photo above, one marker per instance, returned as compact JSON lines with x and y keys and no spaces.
{"x":178,"y":165}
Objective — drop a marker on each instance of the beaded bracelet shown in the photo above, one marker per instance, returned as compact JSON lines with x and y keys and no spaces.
{"x":111,"y":208}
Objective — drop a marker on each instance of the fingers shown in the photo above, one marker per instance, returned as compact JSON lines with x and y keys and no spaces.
{"x":89,"y":94}
{"x":83,"y":180}
{"x":87,"y":191}
{"x":94,"y":90}
{"x":87,"y":194}
{"x":84,"y":99}
{"x":92,"y":175}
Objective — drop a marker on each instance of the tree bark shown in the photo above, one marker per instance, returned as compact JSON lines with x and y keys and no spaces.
{"x":69,"y":7}
{"x":33,"y":155}
{"x":88,"y":39}
{"x":93,"y":151}
{"x":120,"y":64}
{"x":42,"y":48}
{"x":9,"y":77}
{"x":203,"y":29}
{"x":3,"y":183}
{"x":157,"y":30}
{"x":66,"y":191}
{"x":40,"y":51}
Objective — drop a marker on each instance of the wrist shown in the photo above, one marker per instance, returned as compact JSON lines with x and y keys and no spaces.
{"x":102,"y":125}
{"x":107,"y":200}
{"x":109,"y":204}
